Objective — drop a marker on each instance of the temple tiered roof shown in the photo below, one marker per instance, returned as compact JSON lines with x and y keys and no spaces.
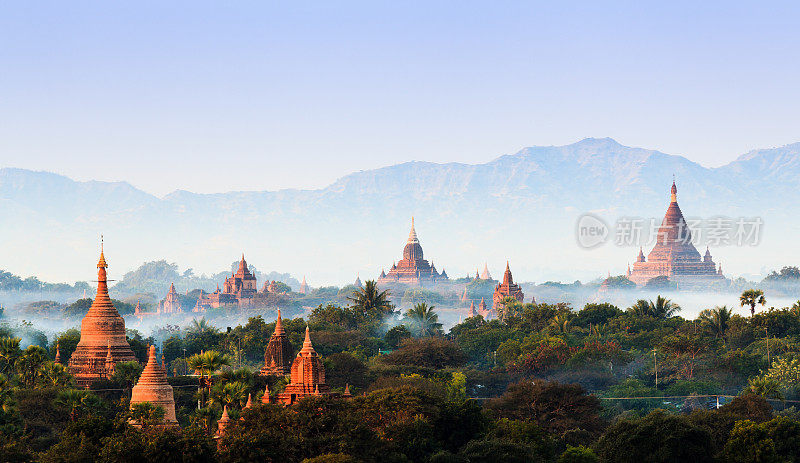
{"x":506,"y":289}
{"x":308,"y":375}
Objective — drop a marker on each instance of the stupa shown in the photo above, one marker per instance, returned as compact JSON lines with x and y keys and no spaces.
{"x":103,"y":343}
{"x":674,"y":256}
{"x":308,"y":375}
{"x":153,"y":387}
{"x":278,"y":353}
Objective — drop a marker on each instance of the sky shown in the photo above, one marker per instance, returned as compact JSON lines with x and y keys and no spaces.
{"x":220,"y":96}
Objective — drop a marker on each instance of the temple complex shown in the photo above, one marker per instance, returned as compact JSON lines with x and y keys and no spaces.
{"x":412,"y":269}
{"x":674,"y":256}
{"x":172,"y":303}
{"x":103,"y":343}
{"x":506,"y":289}
{"x":308,"y":375}
{"x":239,"y":289}
{"x":278,"y":355}
{"x":153,"y":387}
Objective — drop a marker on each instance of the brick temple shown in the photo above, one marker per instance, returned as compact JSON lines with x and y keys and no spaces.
{"x":239,"y":289}
{"x":413,"y":269}
{"x":103,"y":343}
{"x":674,"y":255}
{"x":308,"y":376}
{"x":506,"y":289}
{"x":278,"y":355}
{"x":172,"y":303}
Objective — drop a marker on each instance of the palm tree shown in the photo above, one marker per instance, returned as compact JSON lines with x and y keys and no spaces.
{"x":75,"y":400}
{"x":205,"y":364}
{"x":664,"y":308}
{"x":29,"y":363}
{"x":661,"y":308}
{"x":54,"y":375}
{"x":233,"y":394}
{"x":717,"y":320}
{"x":200,"y":327}
{"x":765,"y":387}
{"x":371,"y":302}
{"x":751,"y":297}
{"x":127,"y":373}
{"x":423,"y":321}
{"x":9,"y":352}
{"x":560,"y":323}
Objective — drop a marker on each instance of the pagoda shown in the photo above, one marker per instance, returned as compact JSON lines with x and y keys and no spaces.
{"x":172,"y":303}
{"x":413,"y":268}
{"x":239,"y":289}
{"x":278,"y":353}
{"x":308,"y":375}
{"x":153,"y":387}
{"x":103,"y":343}
{"x":506,"y":289}
{"x":303,"y":286}
{"x":674,"y":256}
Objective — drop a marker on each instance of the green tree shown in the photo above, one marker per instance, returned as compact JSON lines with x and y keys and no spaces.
{"x":658,"y":437}
{"x":127,"y":373}
{"x":661,"y":308}
{"x":233,"y":394}
{"x":751,"y":297}
{"x":422,"y":321}
{"x":9,"y":353}
{"x":716,"y":320}
{"x":77,"y":401}
{"x":206,"y":364}
{"x":371,"y":304}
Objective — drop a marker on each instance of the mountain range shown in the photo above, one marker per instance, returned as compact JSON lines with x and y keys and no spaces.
{"x":521,"y":207}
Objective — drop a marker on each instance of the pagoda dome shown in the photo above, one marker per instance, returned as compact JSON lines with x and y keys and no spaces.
{"x":413,"y":250}
{"x":153,"y":387}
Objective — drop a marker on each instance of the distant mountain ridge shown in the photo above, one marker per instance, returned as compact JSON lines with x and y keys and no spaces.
{"x":520,"y":206}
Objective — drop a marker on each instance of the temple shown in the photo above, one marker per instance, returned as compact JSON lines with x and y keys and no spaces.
{"x":303,"y":286}
{"x":172,"y":303}
{"x":239,"y":289}
{"x":506,"y":289}
{"x":674,"y":256}
{"x":278,"y":355}
{"x":153,"y":387}
{"x":103,"y":343}
{"x":308,"y":376}
{"x":413,"y":269}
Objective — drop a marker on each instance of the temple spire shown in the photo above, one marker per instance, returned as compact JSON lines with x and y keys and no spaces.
{"x":412,"y":235}
{"x":674,"y":192}
{"x":279,"y":324}
{"x":307,"y":347}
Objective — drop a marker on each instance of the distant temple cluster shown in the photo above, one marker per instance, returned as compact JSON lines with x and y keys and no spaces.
{"x":505,"y":289}
{"x":674,"y":256}
{"x":412,"y":269}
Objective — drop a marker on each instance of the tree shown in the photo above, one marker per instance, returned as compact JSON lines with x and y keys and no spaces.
{"x":658,"y":437}
{"x":716,"y":320}
{"x":434,"y":352}
{"x":751,"y":297}
{"x":233,"y":394}
{"x":76,"y":401}
{"x":422,"y":321}
{"x":205,"y":364}
{"x":767,"y":388}
{"x":661,"y":308}
{"x":29,"y":363}
{"x":596,"y":314}
{"x":750,"y":443}
{"x":556,"y":408}
{"x":9,"y":353}
{"x":147,"y":414}
{"x":371,"y":305}
{"x":127,"y":373}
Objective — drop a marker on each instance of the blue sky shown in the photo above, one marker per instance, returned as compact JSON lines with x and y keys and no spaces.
{"x":257,"y":95}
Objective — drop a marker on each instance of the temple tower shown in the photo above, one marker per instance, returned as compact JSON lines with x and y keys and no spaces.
{"x":506,"y":289}
{"x":308,"y":375}
{"x":103,"y":343}
{"x":172,"y":303}
{"x":278,"y":355}
{"x":153,"y":387}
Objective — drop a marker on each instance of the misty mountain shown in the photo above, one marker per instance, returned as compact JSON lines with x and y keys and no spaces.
{"x":520,"y":207}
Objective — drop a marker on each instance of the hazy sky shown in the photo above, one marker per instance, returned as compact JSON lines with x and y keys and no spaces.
{"x":217,"y":96}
